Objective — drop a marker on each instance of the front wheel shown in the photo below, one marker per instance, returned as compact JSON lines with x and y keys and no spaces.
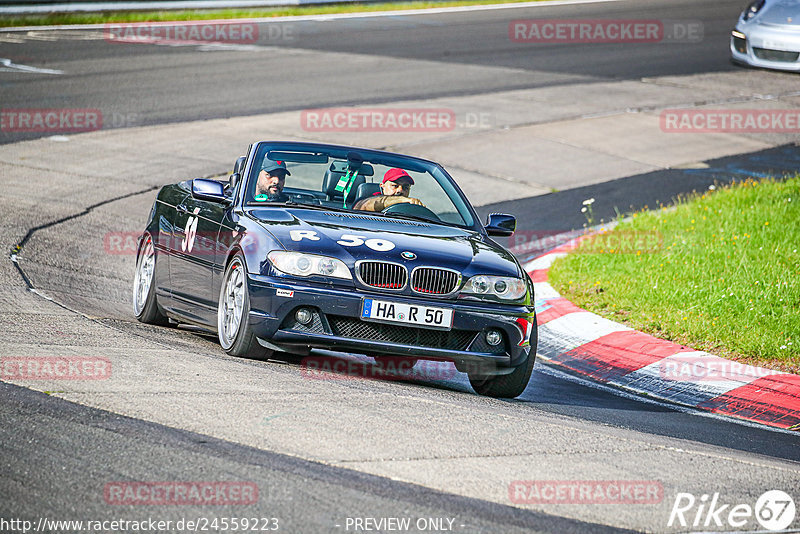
{"x":145,"y":305}
{"x":234,"y":331}
{"x":510,"y":385}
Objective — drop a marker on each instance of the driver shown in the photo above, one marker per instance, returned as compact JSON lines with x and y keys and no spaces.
{"x":395,"y":188}
{"x":271,"y":179}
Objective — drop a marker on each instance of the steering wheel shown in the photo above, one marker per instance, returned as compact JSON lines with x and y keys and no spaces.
{"x":415,"y":210}
{"x":304,"y":198}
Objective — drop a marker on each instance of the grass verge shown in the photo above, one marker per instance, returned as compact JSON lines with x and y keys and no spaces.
{"x":723,"y":276}
{"x":185,"y":15}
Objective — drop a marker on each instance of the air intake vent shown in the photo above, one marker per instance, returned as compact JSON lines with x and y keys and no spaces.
{"x":434,"y":281}
{"x":382,"y":275}
{"x":350,"y":327}
{"x":776,"y":55}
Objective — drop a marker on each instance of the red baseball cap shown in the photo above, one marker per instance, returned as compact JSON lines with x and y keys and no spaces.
{"x":392,"y":175}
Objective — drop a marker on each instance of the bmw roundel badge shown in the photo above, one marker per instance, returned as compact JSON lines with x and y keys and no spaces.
{"x":408,"y":255}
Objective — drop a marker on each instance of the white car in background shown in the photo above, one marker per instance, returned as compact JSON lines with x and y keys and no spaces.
{"x":768,"y":35}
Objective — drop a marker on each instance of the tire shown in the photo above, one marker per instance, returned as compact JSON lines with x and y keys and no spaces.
{"x":513,"y":384}
{"x":145,"y":304}
{"x":233,"y":329}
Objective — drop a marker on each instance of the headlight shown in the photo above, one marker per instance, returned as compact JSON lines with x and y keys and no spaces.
{"x":495,"y":287}
{"x":300,"y":264}
{"x":752,"y":10}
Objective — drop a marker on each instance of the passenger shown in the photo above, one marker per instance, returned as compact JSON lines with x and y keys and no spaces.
{"x":395,"y":188}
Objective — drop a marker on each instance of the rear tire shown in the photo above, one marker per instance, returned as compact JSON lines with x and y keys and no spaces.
{"x":233,"y":311}
{"x":145,"y":304}
{"x":513,"y":384}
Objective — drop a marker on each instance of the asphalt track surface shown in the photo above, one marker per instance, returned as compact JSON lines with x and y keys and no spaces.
{"x":305,"y":496}
{"x":56,"y":454}
{"x":161,"y":84}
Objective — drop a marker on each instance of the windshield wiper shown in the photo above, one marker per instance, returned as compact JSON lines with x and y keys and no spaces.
{"x":415,"y":218}
{"x":294,"y":204}
{"x":318,"y":207}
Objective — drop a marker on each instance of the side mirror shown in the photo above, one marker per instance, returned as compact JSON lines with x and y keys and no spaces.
{"x":233,"y":181}
{"x":208,"y":190}
{"x":500,"y":224}
{"x":238,"y":167}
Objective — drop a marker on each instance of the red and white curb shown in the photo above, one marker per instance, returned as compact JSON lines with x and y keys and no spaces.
{"x":613,"y":354}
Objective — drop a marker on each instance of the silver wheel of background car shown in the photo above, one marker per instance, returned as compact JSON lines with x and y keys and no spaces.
{"x":145,"y":304}
{"x":231,"y":304}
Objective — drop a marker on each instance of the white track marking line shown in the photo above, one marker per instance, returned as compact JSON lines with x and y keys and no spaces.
{"x":576,"y":329}
{"x":543,"y":262}
{"x":10,"y":66}
{"x":544,"y":291}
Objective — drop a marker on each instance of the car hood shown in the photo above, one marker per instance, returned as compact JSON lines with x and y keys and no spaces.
{"x":352,"y":237}
{"x":782,"y":12}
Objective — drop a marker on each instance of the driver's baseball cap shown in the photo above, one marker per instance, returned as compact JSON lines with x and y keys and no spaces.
{"x":392,"y":175}
{"x":270,"y":165}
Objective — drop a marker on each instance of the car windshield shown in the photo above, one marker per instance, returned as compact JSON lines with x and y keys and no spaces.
{"x":354,"y":180}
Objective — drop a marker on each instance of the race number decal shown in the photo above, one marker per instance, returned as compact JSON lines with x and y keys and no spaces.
{"x":299,"y":235}
{"x":378,"y":245}
{"x":190,"y":232}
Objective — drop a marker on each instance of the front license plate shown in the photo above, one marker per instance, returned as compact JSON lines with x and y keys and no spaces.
{"x":774,"y":45}
{"x":403,"y":313}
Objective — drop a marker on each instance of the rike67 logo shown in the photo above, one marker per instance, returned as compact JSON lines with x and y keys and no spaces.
{"x":774,"y":510}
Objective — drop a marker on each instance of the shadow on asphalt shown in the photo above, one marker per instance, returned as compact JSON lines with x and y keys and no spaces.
{"x":556,"y":393}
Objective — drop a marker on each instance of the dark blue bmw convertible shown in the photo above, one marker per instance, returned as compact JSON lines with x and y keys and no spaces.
{"x":319,"y":246}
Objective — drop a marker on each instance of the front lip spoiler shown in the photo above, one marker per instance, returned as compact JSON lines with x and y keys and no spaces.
{"x":486,"y":363}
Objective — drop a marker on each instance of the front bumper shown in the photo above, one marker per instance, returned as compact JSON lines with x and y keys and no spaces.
{"x":337,"y":325}
{"x":769,"y":47}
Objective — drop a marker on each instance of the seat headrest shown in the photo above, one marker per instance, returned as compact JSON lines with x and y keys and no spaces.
{"x":330,"y":180}
{"x":366,"y":190}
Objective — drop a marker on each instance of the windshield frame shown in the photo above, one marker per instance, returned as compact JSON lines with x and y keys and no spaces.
{"x":449,"y":186}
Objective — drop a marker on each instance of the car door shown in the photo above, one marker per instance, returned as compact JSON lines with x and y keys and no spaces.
{"x":192,"y":265}
{"x":163,"y":240}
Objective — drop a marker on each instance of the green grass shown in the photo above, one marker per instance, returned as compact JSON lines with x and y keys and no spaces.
{"x":184,"y":15}
{"x":725,"y":278}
